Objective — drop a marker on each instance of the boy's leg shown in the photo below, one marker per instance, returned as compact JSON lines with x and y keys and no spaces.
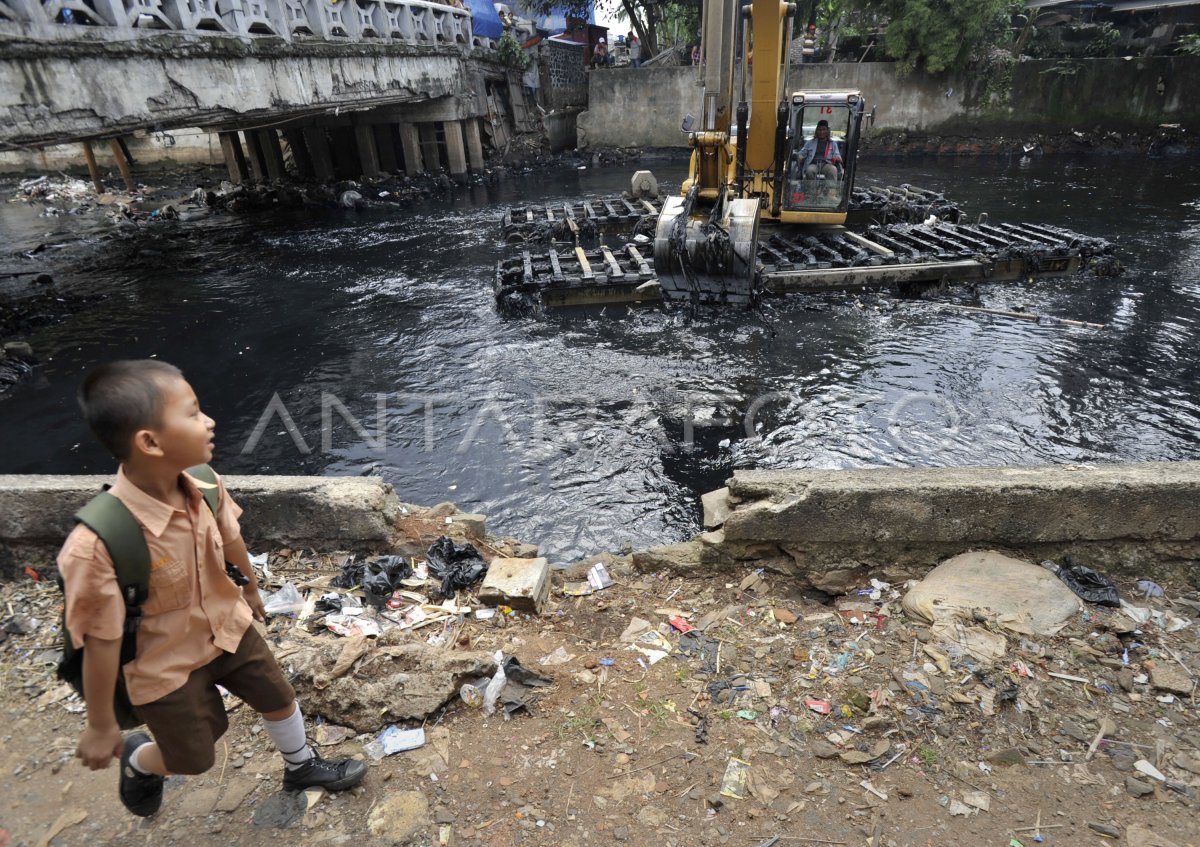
{"x":253,"y":674}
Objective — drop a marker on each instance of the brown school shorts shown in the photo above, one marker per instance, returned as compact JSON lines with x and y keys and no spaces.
{"x":187,"y":722}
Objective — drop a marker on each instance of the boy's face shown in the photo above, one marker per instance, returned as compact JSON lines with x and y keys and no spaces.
{"x":184,"y":435}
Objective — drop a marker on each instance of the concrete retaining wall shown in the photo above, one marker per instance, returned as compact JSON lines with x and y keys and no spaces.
{"x":832,"y":528}
{"x":328,"y":513}
{"x":178,"y":147}
{"x":643,"y":107}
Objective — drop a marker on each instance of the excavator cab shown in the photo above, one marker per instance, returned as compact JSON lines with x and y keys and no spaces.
{"x":818,"y":179}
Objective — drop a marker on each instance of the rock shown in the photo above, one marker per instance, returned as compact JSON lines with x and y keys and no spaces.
{"x":1007,"y":757}
{"x":1138,"y":788}
{"x":237,"y":791}
{"x":471,"y":524}
{"x":1172,"y":678}
{"x":1123,"y":760}
{"x":680,"y":559}
{"x":196,"y":803}
{"x":651,"y":817}
{"x":822,"y":749}
{"x":861,"y":757}
{"x":523,"y":584}
{"x":20,"y":350}
{"x":716,"y":507}
{"x":1187,"y":763}
{"x":406,"y":680}
{"x":399,"y":817}
{"x":443,"y":815}
{"x":1106,"y":830}
{"x":1074,"y":730}
{"x":1125,"y":679}
{"x":784,"y":616}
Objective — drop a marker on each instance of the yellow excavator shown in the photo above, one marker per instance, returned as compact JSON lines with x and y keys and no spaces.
{"x":761,"y":161}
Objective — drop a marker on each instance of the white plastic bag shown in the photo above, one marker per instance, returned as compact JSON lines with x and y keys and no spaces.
{"x":492,"y":693}
{"x":285,"y":601}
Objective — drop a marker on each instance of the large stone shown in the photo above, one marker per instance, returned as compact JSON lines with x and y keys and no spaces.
{"x":399,"y":817}
{"x":523,"y":584}
{"x":1169,"y":677}
{"x":392,"y":680}
{"x":716,"y":507}
{"x":1139,"y":835}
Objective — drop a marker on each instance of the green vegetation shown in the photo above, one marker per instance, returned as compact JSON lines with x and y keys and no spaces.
{"x":1189,"y":45}
{"x":940,"y":35}
{"x":511,"y":54}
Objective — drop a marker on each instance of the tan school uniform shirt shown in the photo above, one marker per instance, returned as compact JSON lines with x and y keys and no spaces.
{"x":193,"y":612}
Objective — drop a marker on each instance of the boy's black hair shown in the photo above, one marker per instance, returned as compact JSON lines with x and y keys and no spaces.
{"x":119,"y":398}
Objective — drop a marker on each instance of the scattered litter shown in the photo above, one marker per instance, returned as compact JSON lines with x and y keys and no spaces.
{"x":733,"y":783}
{"x":1089,"y":584}
{"x":457,"y":566}
{"x":395,"y":740}
{"x":285,"y":601}
{"x":1148,"y":589}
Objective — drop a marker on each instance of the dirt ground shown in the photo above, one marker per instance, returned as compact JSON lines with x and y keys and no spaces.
{"x":920,"y":747}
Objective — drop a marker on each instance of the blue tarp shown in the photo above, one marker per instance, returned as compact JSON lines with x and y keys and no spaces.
{"x":485,"y":20}
{"x":556,"y":21}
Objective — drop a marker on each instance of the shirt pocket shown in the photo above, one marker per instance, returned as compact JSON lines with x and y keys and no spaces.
{"x":170,"y":588}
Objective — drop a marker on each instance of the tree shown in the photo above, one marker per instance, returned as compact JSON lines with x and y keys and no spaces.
{"x":939,"y":35}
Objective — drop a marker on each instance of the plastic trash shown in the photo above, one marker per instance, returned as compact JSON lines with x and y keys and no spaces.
{"x":285,"y":601}
{"x":379,"y":577}
{"x":1089,"y":585}
{"x":472,"y":692}
{"x":1148,"y":588}
{"x":457,"y":566}
{"x":395,"y":740}
{"x":733,"y":783}
{"x":492,"y":693}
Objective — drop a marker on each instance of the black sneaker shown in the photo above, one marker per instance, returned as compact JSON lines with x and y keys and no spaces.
{"x":140,"y":792}
{"x":330,"y":774}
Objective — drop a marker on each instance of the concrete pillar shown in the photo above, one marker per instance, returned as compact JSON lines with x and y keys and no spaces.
{"x":429,"y":147}
{"x":385,"y":146}
{"x":90,"y":156}
{"x":474,"y":143}
{"x":456,"y":151}
{"x":254,"y":154}
{"x":268,"y":142}
{"x":411,"y":145}
{"x":123,"y":166}
{"x":295,"y":140}
{"x":235,"y":160}
{"x":368,"y":156}
{"x":318,"y":152}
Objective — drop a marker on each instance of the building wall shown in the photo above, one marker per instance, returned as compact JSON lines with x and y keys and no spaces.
{"x":565,"y":80}
{"x":643,"y":107}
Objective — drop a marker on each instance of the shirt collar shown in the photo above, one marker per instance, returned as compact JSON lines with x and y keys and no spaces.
{"x":150,"y":512}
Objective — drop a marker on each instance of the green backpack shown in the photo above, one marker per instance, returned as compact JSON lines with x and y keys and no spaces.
{"x":109,"y":518}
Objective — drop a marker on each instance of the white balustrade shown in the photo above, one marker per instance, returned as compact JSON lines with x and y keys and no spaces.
{"x":415,"y":22}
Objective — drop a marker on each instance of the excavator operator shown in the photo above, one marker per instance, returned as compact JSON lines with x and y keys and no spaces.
{"x":821,"y":154}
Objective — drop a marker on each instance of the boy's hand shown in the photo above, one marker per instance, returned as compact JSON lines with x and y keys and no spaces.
{"x":98,"y":746}
{"x":254,"y":599}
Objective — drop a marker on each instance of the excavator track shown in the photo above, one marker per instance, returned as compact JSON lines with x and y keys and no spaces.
{"x":608,"y":215}
{"x":896,"y":255}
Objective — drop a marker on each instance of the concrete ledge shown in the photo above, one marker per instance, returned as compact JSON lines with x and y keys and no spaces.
{"x":330,"y":513}
{"x":835,"y":527}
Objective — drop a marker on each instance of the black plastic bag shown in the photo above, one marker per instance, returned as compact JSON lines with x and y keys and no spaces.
{"x":379,"y":577}
{"x":1090,"y":585}
{"x":456,"y":566}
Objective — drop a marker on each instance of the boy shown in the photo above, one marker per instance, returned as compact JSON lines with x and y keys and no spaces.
{"x":196,"y":630}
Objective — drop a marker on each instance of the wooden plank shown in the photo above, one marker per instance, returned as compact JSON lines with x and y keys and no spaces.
{"x":527,"y":264}
{"x":614,"y":269}
{"x":556,"y":269}
{"x":870,"y":245}
{"x":584,"y":263}
{"x":643,"y":267}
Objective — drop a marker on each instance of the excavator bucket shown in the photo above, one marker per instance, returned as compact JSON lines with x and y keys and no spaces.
{"x":707,"y":259}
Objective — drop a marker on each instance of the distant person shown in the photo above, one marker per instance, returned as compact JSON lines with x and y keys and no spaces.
{"x":696,"y":54}
{"x":600,"y":55}
{"x":635,"y":50}
{"x":821,"y":155}
{"x":196,"y":625}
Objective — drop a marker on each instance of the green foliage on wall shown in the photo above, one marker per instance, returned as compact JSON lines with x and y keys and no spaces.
{"x":511,"y":54}
{"x":940,"y":35}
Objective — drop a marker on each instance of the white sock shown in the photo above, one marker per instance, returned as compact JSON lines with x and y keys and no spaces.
{"x":290,"y":740}
{"x":134,"y":761}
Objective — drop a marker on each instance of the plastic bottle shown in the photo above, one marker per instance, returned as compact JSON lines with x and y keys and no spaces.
{"x":472,"y":692}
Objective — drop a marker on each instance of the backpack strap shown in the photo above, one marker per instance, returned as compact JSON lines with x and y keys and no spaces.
{"x":109,"y":518}
{"x":208,"y":479}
